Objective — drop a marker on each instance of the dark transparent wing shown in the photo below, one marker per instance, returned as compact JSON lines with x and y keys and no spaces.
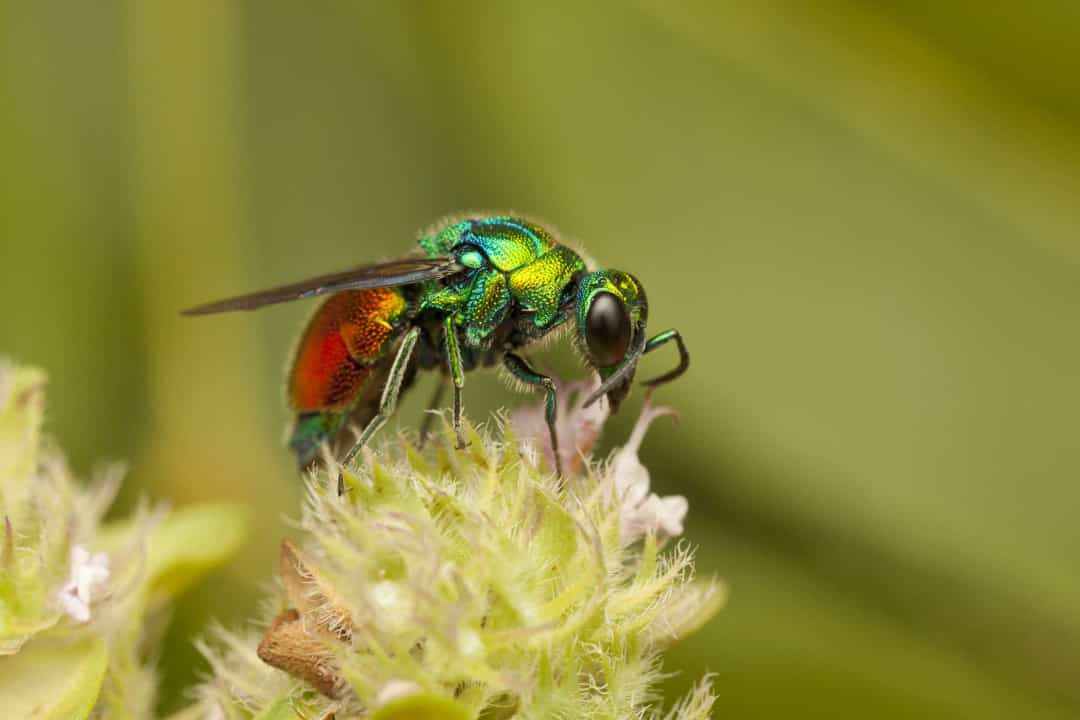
{"x":395,"y":272}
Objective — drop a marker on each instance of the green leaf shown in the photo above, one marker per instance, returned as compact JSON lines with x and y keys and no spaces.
{"x":423,"y":707}
{"x":557,"y":533}
{"x":191,"y":542}
{"x":51,"y":680}
{"x":192,"y":712}
{"x":22,"y":407}
{"x":15,"y":632}
{"x":686,"y":612}
{"x":280,"y":710}
{"x":284,"y":708}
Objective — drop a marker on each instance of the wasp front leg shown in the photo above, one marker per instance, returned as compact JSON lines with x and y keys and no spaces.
{"x":521,"y":370}
{"x":457,"y":375}
{"x":684,"y":357}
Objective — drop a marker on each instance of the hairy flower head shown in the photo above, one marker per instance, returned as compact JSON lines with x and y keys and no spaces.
{"x":469,"y":584}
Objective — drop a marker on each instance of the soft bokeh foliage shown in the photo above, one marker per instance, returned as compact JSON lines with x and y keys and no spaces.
{"x":82,"y":603}
{"x":861,"y":215}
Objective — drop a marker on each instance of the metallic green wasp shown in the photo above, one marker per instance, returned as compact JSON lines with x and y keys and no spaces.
{"x":481,"y":290}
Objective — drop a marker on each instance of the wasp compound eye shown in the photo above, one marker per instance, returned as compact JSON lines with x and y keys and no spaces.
{"x":607,"y":329}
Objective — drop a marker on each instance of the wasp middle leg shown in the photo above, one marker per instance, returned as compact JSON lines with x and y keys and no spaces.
{"x":457,"y":374}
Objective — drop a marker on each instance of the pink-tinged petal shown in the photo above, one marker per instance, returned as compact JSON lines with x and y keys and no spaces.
{"x":577,"y":427}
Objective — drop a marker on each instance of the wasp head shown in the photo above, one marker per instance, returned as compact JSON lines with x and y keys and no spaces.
{"x":611,"y":314}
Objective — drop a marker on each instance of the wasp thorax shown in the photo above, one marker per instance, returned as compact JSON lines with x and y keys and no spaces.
{"x":607,"y":329}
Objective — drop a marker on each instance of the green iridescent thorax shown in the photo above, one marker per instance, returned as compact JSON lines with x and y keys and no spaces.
{"x":508,"y":243}
{"x":513,"y":260}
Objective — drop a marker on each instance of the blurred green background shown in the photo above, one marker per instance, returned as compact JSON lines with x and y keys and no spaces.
{"x":862,"y":215}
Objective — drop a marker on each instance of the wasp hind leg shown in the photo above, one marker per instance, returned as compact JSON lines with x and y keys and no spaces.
{"x":387,"y":403}
{"x":521,"y":370}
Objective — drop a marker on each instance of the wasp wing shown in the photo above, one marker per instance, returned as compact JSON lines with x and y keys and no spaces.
{"x":396,"y":272}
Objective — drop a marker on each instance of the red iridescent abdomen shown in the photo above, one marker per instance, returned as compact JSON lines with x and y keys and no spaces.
{"x":343,"y":340}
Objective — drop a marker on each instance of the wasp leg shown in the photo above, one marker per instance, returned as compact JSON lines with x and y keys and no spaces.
{"x":521,"y":370}
{"x":429,"y":416}
{"x":388,"y":402}
{"x":457,"y":374}
{"x":684,"y":357}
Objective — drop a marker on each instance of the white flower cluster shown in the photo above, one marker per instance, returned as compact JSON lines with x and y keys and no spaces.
{"x":643,"y":511}
{"x":89,"y":575}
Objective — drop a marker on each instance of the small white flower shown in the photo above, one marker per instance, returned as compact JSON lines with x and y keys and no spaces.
{"x":642,"y":511}
{"x":89,"y":573}
{"x":664,"y":515}
{"x":395,"y":689}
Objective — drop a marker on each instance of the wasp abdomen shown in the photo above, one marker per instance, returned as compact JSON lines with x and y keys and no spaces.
{"x":344,"y":338}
